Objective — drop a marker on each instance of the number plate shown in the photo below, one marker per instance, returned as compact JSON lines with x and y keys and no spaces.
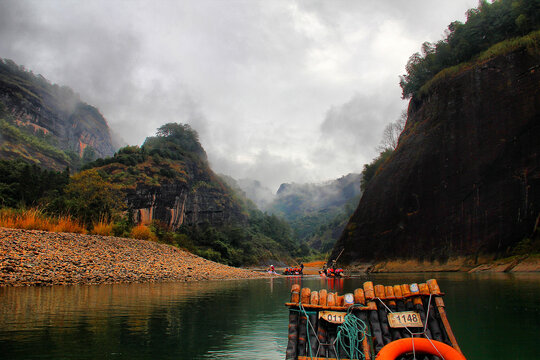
{"x":336,"y":317}
{"x":404,"y":319}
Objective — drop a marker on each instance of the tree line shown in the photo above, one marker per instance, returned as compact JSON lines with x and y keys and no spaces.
{"x":485,"y":26}
{"x":96,"y":198}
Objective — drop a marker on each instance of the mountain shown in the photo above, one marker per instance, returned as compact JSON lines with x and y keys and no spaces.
{"x":295,"y":200}
{"x":168,"y":179}
{"x":465,"y":177}
{"x":47,"y":124}
{"x":318,"y":212}
{"x":168,"y":182}
{"x":261,"y":195}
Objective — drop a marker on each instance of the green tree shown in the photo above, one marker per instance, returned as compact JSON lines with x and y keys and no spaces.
{"x":486,"y":25}
{"x":90,"y":198}
{"x":175,"y":141}
{"x":370,"y":170}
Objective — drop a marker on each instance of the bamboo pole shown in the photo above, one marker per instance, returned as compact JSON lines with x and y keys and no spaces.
{"x":387,"y":337}
{"x":322,"y":336}
{"x":295,"y":293}
{"x":359,"y":297}
{"x":292,"y":344}
{"x":323,"y":296}
{"x":430,"y":314}
{"x":419,"y":306}
{"x":305,"y":298}
{"x":406,"y":291}
{"x":389,"y":293}
{"x":436,"y":291}
{"x":374,"y":322}
{"x":314,"y":298}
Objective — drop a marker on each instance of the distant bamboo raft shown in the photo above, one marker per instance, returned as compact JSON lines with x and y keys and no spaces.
{"x":324,"y":325}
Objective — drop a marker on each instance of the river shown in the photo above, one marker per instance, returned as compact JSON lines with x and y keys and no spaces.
{"x":494,"y":316}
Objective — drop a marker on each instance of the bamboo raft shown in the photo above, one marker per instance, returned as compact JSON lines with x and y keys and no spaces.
{"x":375,"y":322}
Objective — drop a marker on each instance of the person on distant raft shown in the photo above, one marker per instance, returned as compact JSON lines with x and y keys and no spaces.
{"x":301,"y":268}
{"x":271,"y":269}
{"x":330,"y":272}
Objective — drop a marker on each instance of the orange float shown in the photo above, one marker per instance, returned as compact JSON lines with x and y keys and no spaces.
{"x":399,"y":347}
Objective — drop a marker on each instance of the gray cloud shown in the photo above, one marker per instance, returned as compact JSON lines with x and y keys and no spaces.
{"x":280,"y":91}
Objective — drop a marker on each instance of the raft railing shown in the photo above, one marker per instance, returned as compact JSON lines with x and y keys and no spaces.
{"x":324,"y":325}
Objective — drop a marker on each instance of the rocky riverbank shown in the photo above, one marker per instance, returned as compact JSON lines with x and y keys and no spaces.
{"x":31,"y":257}
{"x":526,"y":263}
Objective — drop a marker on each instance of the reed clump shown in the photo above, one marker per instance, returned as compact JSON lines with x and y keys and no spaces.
{"x":35,"y":219}
{"x":103,"y":227}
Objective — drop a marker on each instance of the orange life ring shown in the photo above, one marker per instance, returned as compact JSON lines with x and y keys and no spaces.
{"x":402,"y":346}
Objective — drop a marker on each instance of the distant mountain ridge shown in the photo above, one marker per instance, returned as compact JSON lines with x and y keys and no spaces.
{"x":295,"y":200}
{"x":318,"y":213}
{"x":47,"y":124}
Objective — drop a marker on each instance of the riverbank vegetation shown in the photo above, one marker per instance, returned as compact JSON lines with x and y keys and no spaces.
{"x":487,"y":25}
{"x":491,"y":29}
{"x":94,"y":201}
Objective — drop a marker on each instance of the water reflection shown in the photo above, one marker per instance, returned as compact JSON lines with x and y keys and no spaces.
{"x":241,"y":319}
{"x":137,"y":321}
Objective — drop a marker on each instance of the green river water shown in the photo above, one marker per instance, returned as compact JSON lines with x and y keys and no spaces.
{"x":494,"y":316}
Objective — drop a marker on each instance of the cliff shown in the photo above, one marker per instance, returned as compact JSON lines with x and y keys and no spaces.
{"x":199,"y":198}
{"x":47,"y":124}
{"x":465,"y":177}
{"x":168,"y":179}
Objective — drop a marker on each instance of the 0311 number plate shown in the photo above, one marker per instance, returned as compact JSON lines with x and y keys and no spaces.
{"x":404,"y":319}
{"x":336,"y":317}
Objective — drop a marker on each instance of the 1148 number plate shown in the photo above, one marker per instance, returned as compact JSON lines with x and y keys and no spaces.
{"x":404,"y":319}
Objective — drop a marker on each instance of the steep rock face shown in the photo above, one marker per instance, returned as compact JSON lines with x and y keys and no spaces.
{"x":176,"y":204}
{"x":51,"y":112}
{"x":189,"y":194}
{"x":465,"y":178}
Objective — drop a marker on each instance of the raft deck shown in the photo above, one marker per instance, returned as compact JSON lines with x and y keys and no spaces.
{"x":324,"y":325}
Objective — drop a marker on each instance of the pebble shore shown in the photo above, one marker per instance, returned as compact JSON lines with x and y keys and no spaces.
{"x":32,"y":257}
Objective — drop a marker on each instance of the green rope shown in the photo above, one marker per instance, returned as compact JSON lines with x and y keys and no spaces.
{"x":350,"y":335}
{"x":306,"y":313}
{"x":303,"y":311}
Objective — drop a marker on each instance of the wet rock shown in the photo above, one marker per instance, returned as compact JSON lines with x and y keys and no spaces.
{"x":66,"y":259}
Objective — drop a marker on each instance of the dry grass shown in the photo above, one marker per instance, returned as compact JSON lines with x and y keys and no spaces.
{"x":103,"y":227}
{"x":142,"y":232}
{"x":34,"y":219}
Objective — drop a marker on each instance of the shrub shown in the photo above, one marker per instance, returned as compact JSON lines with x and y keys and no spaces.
{"x":142,"y":232}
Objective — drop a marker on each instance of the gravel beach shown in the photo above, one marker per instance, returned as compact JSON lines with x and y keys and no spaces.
{"x":31,"y":257}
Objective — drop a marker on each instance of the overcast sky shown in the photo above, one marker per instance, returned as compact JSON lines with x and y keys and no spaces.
{"x":279,"y":90}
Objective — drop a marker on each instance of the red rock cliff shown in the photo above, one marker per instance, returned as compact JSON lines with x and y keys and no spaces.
{"x":465,"y":178}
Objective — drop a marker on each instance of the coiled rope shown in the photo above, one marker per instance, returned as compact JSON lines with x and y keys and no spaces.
{"x":349,"y":336}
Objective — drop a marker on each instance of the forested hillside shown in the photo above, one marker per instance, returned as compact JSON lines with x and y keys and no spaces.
{"x":317,"y":212}
{"x":163,"y":190}
{"x":46,"y":124}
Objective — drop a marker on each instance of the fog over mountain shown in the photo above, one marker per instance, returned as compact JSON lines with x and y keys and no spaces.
{"x":279,"y":91}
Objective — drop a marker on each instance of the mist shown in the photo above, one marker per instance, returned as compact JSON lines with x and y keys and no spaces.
{"x":279,"y":91}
